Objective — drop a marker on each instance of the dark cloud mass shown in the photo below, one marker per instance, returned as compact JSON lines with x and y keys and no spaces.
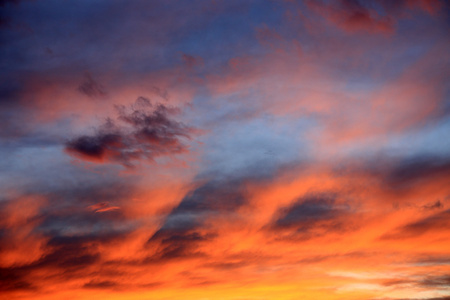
{"x":12,"y":281}
{"x":141,"y":131}
{"x":420,"y":168}
{"x":185,"y":227}
{"x":406,"y":174}
{"x":313,"y":215}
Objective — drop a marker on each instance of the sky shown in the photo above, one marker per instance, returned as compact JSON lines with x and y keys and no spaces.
{"x":228,"y":149}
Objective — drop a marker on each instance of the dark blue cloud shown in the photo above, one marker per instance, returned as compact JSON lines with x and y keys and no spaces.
{"x":184,"y":228}
{"x":313,"y":215}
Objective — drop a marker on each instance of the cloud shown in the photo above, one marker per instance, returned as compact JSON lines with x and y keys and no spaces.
{"x":402,"y":178}
{"x":414,"y":173}
{"x":353,"y":16}
{"x":96,"y":284}
{"x":20,"y":243}
{"x":436,"y":223}
{"x":141,"y":131}
{"x":103,"y":207}
{"x":312,"y":215}
{"x":185,"y":228}
{"x":192,"y":61}
{"x":436,"y":281}
{"x":427,"y":281}
{"x":69,"y":254}
{"x":64,"y":236}
{"x":177,"y":244}
{"x":12,"y":281}
{"x":398,"y":7}
{"x":369,"y":16}
{"x":65,"y":258}
{"x":434,"y":298}
{"x":419,"y":168}
{"x":160,"y":92}
{"x":91,"y":88}
{"x":436,"y":205}
{"x":432,"y":259}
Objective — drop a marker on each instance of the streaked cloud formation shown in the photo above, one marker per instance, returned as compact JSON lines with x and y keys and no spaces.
{"x":225,"y":149}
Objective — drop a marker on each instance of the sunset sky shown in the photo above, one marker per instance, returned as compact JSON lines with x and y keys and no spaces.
{"x":228,"y":149}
